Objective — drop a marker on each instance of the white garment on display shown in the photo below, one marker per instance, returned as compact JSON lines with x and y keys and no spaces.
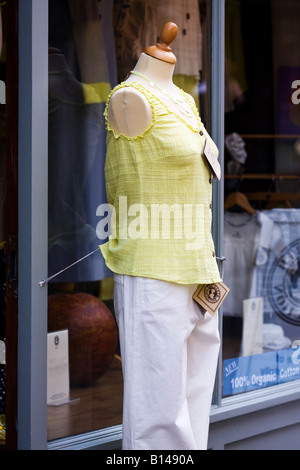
{"x":188,"y":44}
{"x":241,"y":240}
{"x":248,"y":242}
{"x":169,"y":365}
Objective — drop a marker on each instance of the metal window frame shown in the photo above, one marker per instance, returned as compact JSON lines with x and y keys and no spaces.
{"x":217,"y":131}
{"x":33,"y":222}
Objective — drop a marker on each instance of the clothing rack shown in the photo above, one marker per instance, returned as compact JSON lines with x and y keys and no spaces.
{"x":269,"y":136}
{"x":263,"y":176}
{"x":272,"y":198}
{"x":238,"y":199}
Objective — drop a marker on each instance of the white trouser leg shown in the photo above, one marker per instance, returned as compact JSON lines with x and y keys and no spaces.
{"x":169,"y":355}
{"x":203,"y":352}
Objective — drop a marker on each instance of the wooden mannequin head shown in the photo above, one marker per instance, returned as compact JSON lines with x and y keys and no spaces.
{"x":162,"y":50}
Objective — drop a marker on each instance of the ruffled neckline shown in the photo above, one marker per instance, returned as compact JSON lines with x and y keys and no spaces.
{"x":152,"y":99}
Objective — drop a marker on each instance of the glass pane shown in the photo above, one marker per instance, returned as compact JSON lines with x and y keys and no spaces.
{"x":93,"y":46}
{"x":261,"y":321}
{"x":84,"y":375}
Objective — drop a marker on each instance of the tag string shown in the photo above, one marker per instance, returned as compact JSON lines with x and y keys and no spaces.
{"x":45,"y":281}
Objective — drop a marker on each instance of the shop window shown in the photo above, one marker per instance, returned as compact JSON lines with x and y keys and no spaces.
{"x":93,"y":46}
{"x":261,"y":316}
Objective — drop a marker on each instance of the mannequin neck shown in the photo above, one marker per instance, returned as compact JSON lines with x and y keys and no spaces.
{"x":157,"y":70}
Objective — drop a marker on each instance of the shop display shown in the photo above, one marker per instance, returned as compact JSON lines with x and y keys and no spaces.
{"x":262,"y":198}
{"x":101,"y":42}
{"x":241,"y":236}
{"x":153,"y":148}
{"x":93,"y":46}
{"x":264,"y":247}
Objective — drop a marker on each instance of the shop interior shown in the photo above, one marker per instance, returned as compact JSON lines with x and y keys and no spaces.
{"x":92,"y":47}
{"x":262,"y":178}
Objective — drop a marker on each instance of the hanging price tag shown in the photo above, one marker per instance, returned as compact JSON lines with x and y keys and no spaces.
{"x":210,"y":297}
{"x":211,"y":160}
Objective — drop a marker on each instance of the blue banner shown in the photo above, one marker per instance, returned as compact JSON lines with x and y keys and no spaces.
{"x":288,"y":365}
{"x":244,"y":374}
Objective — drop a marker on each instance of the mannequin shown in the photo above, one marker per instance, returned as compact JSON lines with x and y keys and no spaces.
{"x":169,"y":350}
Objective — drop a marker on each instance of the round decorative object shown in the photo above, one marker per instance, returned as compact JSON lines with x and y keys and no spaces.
{"x":283,"y":284}
{"x":93,"y":334}
{"x":212,"y":293}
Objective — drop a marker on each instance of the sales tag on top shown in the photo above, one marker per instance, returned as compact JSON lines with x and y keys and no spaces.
{"x":212,"y":160}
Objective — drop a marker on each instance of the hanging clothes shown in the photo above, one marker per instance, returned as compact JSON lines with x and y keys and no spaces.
{"x":93,"y":36}
{"x":235,"y":69}
{"x":135,"y":28}
{"x":76,"y":174}
{"x":187,"y":46}
{"x":77,"y":136}
{"x":241,"y":241}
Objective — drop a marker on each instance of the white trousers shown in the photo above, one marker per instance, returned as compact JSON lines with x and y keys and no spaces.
{"x":169,"y":356}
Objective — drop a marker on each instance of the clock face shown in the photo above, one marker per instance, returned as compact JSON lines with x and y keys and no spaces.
{"x":283,"y":284}
{"x":2,"y":353}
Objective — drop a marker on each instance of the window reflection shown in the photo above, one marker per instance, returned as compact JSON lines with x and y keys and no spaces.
{"x":261,"y":323}
{"x":82,"y":70}
{"x":93,"y":45}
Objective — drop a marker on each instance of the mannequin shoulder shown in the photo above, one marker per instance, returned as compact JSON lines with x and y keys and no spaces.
{"x":129,"y":112}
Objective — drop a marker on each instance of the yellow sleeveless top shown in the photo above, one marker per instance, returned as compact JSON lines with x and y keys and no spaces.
{"x":160,"y":191}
